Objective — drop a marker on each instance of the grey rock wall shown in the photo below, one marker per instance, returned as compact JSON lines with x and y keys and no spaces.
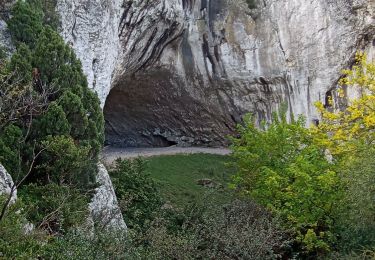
{"x":6,"y":184}
{"x":91,"y":27}
{"x":186,"y":71}
{"x":5,"y":6}
{"x":5,"y":38}
{"x":104,"y":209}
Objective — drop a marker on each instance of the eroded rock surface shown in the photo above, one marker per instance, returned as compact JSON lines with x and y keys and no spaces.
{"x":5,"y":38}
{"x":91,"y":27}
{"x":186,"y":71}
{"x":5,"y":6}
{"x":104,"y":209}
{"x":6,"y":184}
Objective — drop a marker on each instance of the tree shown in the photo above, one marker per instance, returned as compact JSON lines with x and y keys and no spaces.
{"x":349,"y":136}
{"x":26,"y":23}
{"x":44,"y":66}
{"x":51,"y":123}
{"x":343,"y":132}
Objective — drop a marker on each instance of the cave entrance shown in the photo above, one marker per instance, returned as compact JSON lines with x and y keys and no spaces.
{"x":132,"y":118}
{"x":154,"y":109}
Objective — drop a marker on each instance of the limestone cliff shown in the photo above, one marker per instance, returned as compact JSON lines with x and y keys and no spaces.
{"x":186,"y":71}
{"x":5,"y":41}
{"x":104,"y":209}
{"x":6,"y":185}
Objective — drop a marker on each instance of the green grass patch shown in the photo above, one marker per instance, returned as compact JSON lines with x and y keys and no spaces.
{"x":177,"y":177}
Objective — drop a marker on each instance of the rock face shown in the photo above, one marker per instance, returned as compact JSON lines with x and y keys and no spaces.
{"x":186,"y":71}
{"x":6,"y":184}
{"x":91,"y":27}
{"x":104,"y":208}
{"x":5,"y":6}
{"x":5,"y":39}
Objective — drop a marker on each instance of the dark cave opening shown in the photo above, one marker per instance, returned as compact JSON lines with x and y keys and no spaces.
{"x":129,"y":120}
{"x":154,"y":109}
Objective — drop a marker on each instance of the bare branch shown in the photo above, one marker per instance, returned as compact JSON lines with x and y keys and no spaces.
{"x":16,"y":185}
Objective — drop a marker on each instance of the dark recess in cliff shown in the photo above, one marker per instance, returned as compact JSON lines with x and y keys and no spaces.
{"x":154,"y":110}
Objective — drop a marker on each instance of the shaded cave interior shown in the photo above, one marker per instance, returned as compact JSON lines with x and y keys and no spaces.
{"x":129,"y":121}
{"x":155,"y":110}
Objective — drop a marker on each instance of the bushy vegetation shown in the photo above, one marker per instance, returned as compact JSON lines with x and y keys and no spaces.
{"x":64,"y":118}
{"x":356,"y":222}
{"x":205,"y":228}
{"x":298,"y":192}
{"x":136,"y":192}
{"x":238,"y":230}
{"x":51,"y":123}
{"x":284,"y":170}
{"x":319,"y":181}
{"x":54,"y":208}
{"x":19,"y":240}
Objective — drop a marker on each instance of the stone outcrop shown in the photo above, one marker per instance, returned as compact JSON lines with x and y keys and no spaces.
{"x":104,"y":209}
{"x":6,"y":184}
{"x":91,"y":27}
{"x":5,"y":39}
{"x":186,"y":71}
{"x":5,"y":6}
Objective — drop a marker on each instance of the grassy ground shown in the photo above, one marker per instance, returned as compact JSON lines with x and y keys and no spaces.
{"x":178,"y":176}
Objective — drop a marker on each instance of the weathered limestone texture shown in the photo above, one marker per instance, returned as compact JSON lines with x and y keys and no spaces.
{"x":6,"y":184}
{"x":104,"y":209}
{"x":186,"y":71}
{"x":91,"y":27}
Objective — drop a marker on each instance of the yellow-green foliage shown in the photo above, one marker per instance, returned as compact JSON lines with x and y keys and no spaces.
{"x":341,"y":131}
{"x":322,"y":199}
{"x":284,"y":170}
{"x":349,"y":136}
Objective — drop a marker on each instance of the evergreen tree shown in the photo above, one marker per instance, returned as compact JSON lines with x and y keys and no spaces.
{"x":68,"y":126}
{"x":26,"y":23}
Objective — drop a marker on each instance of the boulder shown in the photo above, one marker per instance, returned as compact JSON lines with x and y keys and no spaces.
{"x":104,"y":209}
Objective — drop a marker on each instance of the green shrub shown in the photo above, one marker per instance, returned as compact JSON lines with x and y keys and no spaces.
{"x":25,"y":24}
{"x":136,"y":191}
{"x":10,"y":145}
{"x":20,"y":66}
{"x":15,"y":243}
{"x":239,"y":230}
{"x":63,"y":117}
{"x":55,"y":208}
{"x":68,"y":167}
{"x":78,"y":245}
{"x":243,"y":230}
{"x":356,"y":222}
{"x":48,"y":8}
{"x":282,"y":169}
{"x":19,"y":242}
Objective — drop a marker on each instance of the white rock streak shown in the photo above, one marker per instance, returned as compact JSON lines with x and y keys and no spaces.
{"x":6,"y":184}
{"x":104,"y":207}
{"x":91,"y":27}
